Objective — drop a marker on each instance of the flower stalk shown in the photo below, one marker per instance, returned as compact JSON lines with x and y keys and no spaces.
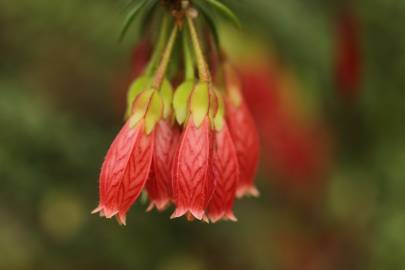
{"x":203,"y":71}
{"x":162,"y":68}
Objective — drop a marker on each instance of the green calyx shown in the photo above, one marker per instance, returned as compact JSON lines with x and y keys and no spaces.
{"x":154,"y":112}
{"x":137,"y":96}
{"x":140,"y":107}
{"x":136,"y":87}
{"x":233,"y":86}
{"x":148,"y":105}
{"x":235,"y":95}
{"x":199,"y":103}
{"x":181,"y":101}
{"x":166,"y":93}
{"x":220,"y":112}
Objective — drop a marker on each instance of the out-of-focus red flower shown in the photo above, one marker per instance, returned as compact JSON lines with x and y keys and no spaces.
{"x":124,"y":76}
{"x":140,"y":57}
{"x":244,"y":134}
{"x":296,"y":148}
{"x":348,"y":55}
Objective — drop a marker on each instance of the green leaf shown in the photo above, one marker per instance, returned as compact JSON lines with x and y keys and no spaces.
{"x":180,"y":100}
{"x":166,"y":91}
{"x":199,"y":103}
{"x":130,"y":17}
{"x":140,"y":84}
{"x":154,"y":113}
{"x":225,"y":11}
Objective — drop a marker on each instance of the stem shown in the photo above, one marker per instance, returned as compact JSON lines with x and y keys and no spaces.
{"x":203,"y":71}
{"x":164,"y":62}
{"x":159,"y":47}
{"x":188,"y":58}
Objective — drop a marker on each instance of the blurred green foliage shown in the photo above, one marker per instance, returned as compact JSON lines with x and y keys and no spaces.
{"x":59,"y":61}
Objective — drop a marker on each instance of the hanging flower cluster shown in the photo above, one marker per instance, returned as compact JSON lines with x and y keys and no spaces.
{"x":189,"y":138}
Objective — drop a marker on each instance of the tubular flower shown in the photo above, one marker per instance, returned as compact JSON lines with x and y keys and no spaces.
{"x":225,"y":172}
{"x":244,"y":134}
{"x":348,"y":66}
{"x":127,"y":164}
{"x":159,"y":186}
{"x":195,"y":147}
{"x":193,"y":182}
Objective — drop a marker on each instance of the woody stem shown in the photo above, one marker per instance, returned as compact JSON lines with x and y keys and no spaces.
{"x":203,"y":71}
{"x":164,"y":62}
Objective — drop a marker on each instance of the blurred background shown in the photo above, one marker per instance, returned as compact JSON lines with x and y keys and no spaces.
{"x":324,"y":80}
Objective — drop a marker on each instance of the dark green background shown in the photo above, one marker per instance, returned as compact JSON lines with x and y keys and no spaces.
{"x":59,"y":61}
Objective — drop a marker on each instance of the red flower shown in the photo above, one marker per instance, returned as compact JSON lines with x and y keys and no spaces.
{"x":127,"y":165}
{"x":159,"y":185}
{"x":193,"y":183}
{"x":244,"y":134}
{"x":297,"y":148}
{"x":125,"y":171}
{"x":226,"y":174}
{"x":348,"y":55}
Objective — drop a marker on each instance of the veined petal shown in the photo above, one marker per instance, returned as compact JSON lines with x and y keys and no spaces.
{"x":124,"y":171}
{"x":226,"y":173}
{"x":159,"y":184}
{"x":193,"y":184}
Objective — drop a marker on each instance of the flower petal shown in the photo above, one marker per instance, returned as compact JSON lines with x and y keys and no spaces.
{"x":226,"y":173}
{"x":193,"y":183}
{"x":124,"y":171}
{"x":159,"y":184}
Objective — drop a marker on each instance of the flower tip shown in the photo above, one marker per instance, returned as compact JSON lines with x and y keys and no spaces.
{"x":178,"y":213}
{"x":97,"y":209}
{"x":206,"y":219}
{"x":198,"y":214}
{"x":231,"y":217}
{"x":215,"y":218}
{"x":122,"y":220}
{"x":150,"y":207}
{"x":109,"y":213}
{"x":251,"y":191}
{"x":159,"y":205}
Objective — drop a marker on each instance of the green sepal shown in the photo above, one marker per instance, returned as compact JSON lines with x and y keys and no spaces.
{"x":199,"y":103}
{"x":213,"y":106}
{"x":140,"y":107}
{"x":136,"y":87}
{"x":220,"y":114}
{"x":166,"y":92}
{"x":235,"y":95}
{"x":180,"y":100}
{"x":154,"y":112}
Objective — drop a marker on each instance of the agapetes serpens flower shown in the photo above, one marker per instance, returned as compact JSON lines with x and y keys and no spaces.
{"x":195,"y":147}
{"x":244,"y":133}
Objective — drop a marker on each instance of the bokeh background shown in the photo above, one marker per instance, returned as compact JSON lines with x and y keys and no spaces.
{"x":325,"y":81}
